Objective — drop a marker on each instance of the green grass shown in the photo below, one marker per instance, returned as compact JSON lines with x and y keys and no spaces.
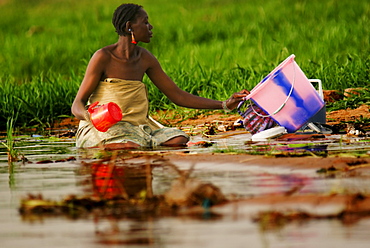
{"x":209,"y":48}
{"x":12,"y":152}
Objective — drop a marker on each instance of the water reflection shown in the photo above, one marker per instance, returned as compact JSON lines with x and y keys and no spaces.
{"x":130,"y":178}
{"x":132,"y":215}
{"x":120,"y":195}
{"x":146,"y":200}
{"x":109,"y":181}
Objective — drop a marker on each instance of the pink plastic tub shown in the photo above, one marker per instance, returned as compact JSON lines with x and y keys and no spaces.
{"x":287,"y":96}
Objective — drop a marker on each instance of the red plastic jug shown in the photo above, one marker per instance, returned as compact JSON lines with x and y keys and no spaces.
{"x":104,"y":116}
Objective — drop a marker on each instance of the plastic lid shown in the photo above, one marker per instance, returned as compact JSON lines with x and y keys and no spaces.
{"x":268,"y":134}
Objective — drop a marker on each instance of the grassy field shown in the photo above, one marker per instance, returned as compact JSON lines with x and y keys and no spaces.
{"x":211,"y":48}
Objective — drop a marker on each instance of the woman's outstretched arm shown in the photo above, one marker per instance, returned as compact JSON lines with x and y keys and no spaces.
{"x":183,"y":98}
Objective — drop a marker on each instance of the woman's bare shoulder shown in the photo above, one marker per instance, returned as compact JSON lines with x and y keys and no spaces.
{"x":148,"y":57}
{"x":103,"y":53}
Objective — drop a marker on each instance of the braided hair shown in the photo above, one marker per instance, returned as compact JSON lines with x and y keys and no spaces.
{"x":124,"y":13}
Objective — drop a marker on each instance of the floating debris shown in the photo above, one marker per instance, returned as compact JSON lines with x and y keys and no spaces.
{"x":114,"y":184}
{"x":347,"y":208}
{"x":47,"y":161}
{"x":355,"y":130}
{"x":200,"y":143}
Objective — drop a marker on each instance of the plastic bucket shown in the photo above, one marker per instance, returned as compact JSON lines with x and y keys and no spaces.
{"x":104,"y":116}
{"x":287,"y":96}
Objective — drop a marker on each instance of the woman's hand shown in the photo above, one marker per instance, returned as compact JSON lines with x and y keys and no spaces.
{"x":234,"y":100}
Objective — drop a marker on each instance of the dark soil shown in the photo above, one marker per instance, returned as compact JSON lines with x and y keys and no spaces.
{"x":332,"y":118}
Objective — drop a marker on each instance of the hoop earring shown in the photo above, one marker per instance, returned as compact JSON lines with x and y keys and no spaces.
{"x":133,"y":41}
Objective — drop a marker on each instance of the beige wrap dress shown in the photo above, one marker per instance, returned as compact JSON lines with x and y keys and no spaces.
{"x":136,"y":126}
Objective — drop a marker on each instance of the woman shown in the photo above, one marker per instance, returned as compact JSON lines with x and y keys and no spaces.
{"x":115,"y":74}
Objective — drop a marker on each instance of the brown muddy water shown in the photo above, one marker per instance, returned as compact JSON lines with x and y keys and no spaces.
{"x":235,"y":223}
